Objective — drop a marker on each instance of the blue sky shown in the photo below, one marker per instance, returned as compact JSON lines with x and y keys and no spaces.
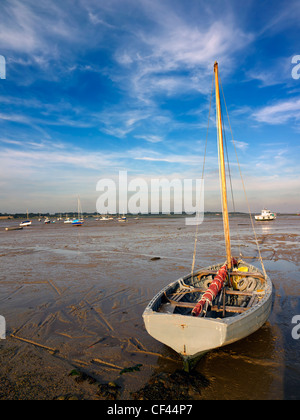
{"x":94,"y":87}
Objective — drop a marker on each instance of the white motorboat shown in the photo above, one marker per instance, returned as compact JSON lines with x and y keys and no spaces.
{"x":265,"y":215}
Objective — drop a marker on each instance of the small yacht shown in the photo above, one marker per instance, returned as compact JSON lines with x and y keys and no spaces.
{"x":26,"y":222}
{"x":68,"y":220}
{"x":79,"y":221}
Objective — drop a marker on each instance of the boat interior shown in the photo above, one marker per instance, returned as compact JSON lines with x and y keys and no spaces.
{"x":244,"y":288}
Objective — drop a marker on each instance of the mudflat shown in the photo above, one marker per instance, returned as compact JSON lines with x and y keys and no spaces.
{"x":73,"y":299}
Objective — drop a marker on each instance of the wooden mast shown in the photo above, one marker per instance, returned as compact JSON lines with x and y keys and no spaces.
{"x":222,"y":170}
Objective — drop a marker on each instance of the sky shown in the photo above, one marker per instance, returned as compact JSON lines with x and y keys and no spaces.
{"x":94,"y":87}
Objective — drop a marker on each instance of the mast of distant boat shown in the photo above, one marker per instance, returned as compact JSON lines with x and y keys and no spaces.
{"x":222,"y":170}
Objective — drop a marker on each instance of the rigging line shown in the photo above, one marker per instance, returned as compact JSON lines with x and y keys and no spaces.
{"x":201,"y":191}
{"x":229,"y":176}
{"x":251,"y":218}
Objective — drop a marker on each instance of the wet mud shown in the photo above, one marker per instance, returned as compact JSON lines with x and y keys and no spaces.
{"x":73,"y":300}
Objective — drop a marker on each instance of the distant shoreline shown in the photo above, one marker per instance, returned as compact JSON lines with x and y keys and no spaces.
{"x":95,"y":215}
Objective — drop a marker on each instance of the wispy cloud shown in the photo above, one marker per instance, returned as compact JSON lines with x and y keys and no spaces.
{"x":279,"y":113}
{"x":151,"y":138}
{"x":178,"y":53}
{"x":242,"y":145}
{"x":44,"y":38}
{"x":162,"y":52}
{"x":95,"y":86}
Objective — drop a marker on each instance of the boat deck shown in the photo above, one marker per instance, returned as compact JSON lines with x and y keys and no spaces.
{"x":183,"y":297}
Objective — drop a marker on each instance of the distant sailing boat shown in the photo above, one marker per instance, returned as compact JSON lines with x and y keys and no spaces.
{"x":79,"y":221}
{"x":123,"y":218}
{"x":26,"y":222}
{"x":68,"y":220}
{"x":215,"y":306}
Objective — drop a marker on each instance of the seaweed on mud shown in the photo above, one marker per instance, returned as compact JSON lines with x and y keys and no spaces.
{"x":175,"y":386}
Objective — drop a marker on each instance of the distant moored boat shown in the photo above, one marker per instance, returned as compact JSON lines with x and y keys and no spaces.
{"x":26,"y":222}
{"x":265,"y":215}
{"x":79,"y":221}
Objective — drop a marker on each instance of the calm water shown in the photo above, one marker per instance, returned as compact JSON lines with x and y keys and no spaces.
{"x":83,"y":290}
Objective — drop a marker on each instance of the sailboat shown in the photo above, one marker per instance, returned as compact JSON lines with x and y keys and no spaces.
{"x":26,"y":222}
{"x":122,"y":218}
{"x":214,"y":306}
{"x":79,"y":221}
{"x":68,"y":220}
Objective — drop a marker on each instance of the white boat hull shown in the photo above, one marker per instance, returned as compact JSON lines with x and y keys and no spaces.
{"x":192,"y":337}
{"x":265,"y":215}
{"x":262,"y":218}
{"x":23,"y":224}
